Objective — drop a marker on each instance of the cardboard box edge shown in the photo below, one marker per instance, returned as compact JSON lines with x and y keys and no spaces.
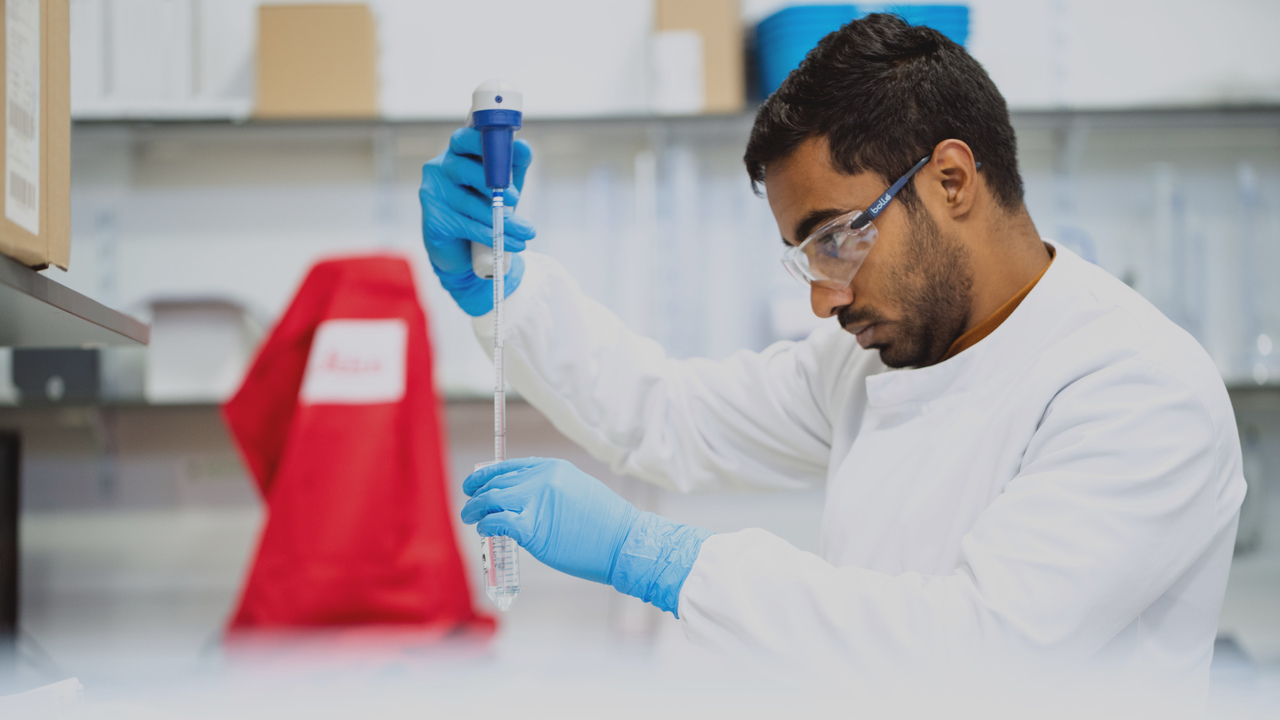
{"x":730,"y":94}
{"x":57,"y":160}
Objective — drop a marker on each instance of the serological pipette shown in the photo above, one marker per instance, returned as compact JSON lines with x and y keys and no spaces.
{"x":496,"y":111}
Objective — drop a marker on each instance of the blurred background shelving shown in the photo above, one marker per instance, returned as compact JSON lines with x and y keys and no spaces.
{"x":653,"y":215}
{"x":1161,"y":165}
{"x":583,"y":58}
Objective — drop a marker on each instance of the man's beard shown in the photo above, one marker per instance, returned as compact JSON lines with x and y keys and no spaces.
{"x":935,"y":286}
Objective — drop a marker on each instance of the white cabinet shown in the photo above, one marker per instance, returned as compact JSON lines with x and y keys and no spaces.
{"x":588,"y":58}
{"x":161,"y":58}
{"x":1118,"y":54}
{"x":572,"y":58}
{"x":1166,"y":53}
{"x":182,"y":59}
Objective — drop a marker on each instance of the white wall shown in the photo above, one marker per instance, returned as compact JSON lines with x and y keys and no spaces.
{"x":590,"y":58}
{"x":1094,"y":54}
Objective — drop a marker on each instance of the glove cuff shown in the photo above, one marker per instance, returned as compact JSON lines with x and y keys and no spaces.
{"x":655,"y":559}
{"x":473,"y":293}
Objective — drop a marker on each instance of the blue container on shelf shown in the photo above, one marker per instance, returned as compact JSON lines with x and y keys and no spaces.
{"x":785,"y":37}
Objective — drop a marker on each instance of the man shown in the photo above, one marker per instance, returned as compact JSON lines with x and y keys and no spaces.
{"x":1022,"y":458}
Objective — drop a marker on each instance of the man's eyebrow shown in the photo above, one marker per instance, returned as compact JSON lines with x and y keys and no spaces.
{"x":812,"y":220}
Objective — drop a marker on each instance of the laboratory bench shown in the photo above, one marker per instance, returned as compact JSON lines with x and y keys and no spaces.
{"x":139,"y":520}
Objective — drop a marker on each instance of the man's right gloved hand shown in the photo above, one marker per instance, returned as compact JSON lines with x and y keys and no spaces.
{"x":457,"y":210}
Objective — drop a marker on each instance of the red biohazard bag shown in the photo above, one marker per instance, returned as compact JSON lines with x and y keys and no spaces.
{"x":339,"y":424}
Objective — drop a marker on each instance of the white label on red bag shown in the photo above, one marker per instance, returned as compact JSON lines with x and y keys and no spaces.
{"x":356,"y":362}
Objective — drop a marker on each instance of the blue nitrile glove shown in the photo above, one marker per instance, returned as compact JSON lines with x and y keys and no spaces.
{"x":457,"y":210}
{"x":572,"y":522}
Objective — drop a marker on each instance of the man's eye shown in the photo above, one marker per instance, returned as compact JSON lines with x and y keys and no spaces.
{"x":826,"y":244}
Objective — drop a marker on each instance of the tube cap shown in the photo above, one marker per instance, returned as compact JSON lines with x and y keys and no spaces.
{"x":495,"y":112}
{"x":497,"y":94}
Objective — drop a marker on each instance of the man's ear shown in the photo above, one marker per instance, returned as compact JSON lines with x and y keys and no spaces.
{"x":955,"y":171}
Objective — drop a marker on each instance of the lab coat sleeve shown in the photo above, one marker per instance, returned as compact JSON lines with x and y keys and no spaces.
{"x":753,"y":421}
{"x":1116,"y":499}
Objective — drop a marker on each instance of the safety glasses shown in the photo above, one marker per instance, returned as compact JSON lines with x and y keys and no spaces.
{"x":832,"y":254}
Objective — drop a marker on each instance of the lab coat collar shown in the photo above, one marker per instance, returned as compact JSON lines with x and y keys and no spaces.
{"x":1010,"y":345}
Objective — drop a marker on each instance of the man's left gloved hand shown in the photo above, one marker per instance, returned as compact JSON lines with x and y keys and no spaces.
{"x":572,"y":522}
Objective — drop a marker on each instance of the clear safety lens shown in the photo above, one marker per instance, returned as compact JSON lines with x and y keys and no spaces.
{"x":832,"y":255}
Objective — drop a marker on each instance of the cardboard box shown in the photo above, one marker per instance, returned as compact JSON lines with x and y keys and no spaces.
{"x":719,"y":22}
{"x":316,"y":61}
{"x":35,"y":78}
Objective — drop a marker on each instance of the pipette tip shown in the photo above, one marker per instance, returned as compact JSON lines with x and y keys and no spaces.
{"x":503,"y":600}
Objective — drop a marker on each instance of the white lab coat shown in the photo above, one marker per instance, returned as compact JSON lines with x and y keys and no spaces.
{"x":1067,"y":488}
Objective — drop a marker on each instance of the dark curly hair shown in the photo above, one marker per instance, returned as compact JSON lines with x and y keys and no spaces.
{"x":884,"y":94}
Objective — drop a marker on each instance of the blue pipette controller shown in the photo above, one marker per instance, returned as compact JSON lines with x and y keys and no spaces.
{"x":497,"y":111}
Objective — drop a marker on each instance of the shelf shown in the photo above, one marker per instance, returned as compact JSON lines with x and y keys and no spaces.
{"x":214,"y":111}
{"x":1248,"y":386}
{"x":1213,"y":113}
{"x":1244,"y":396}
{"x":612,"y":121}
{"x":38,"y":312}
{"x":140,"y":405}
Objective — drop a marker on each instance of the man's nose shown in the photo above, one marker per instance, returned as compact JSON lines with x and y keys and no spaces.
{"x":827,"y":301}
